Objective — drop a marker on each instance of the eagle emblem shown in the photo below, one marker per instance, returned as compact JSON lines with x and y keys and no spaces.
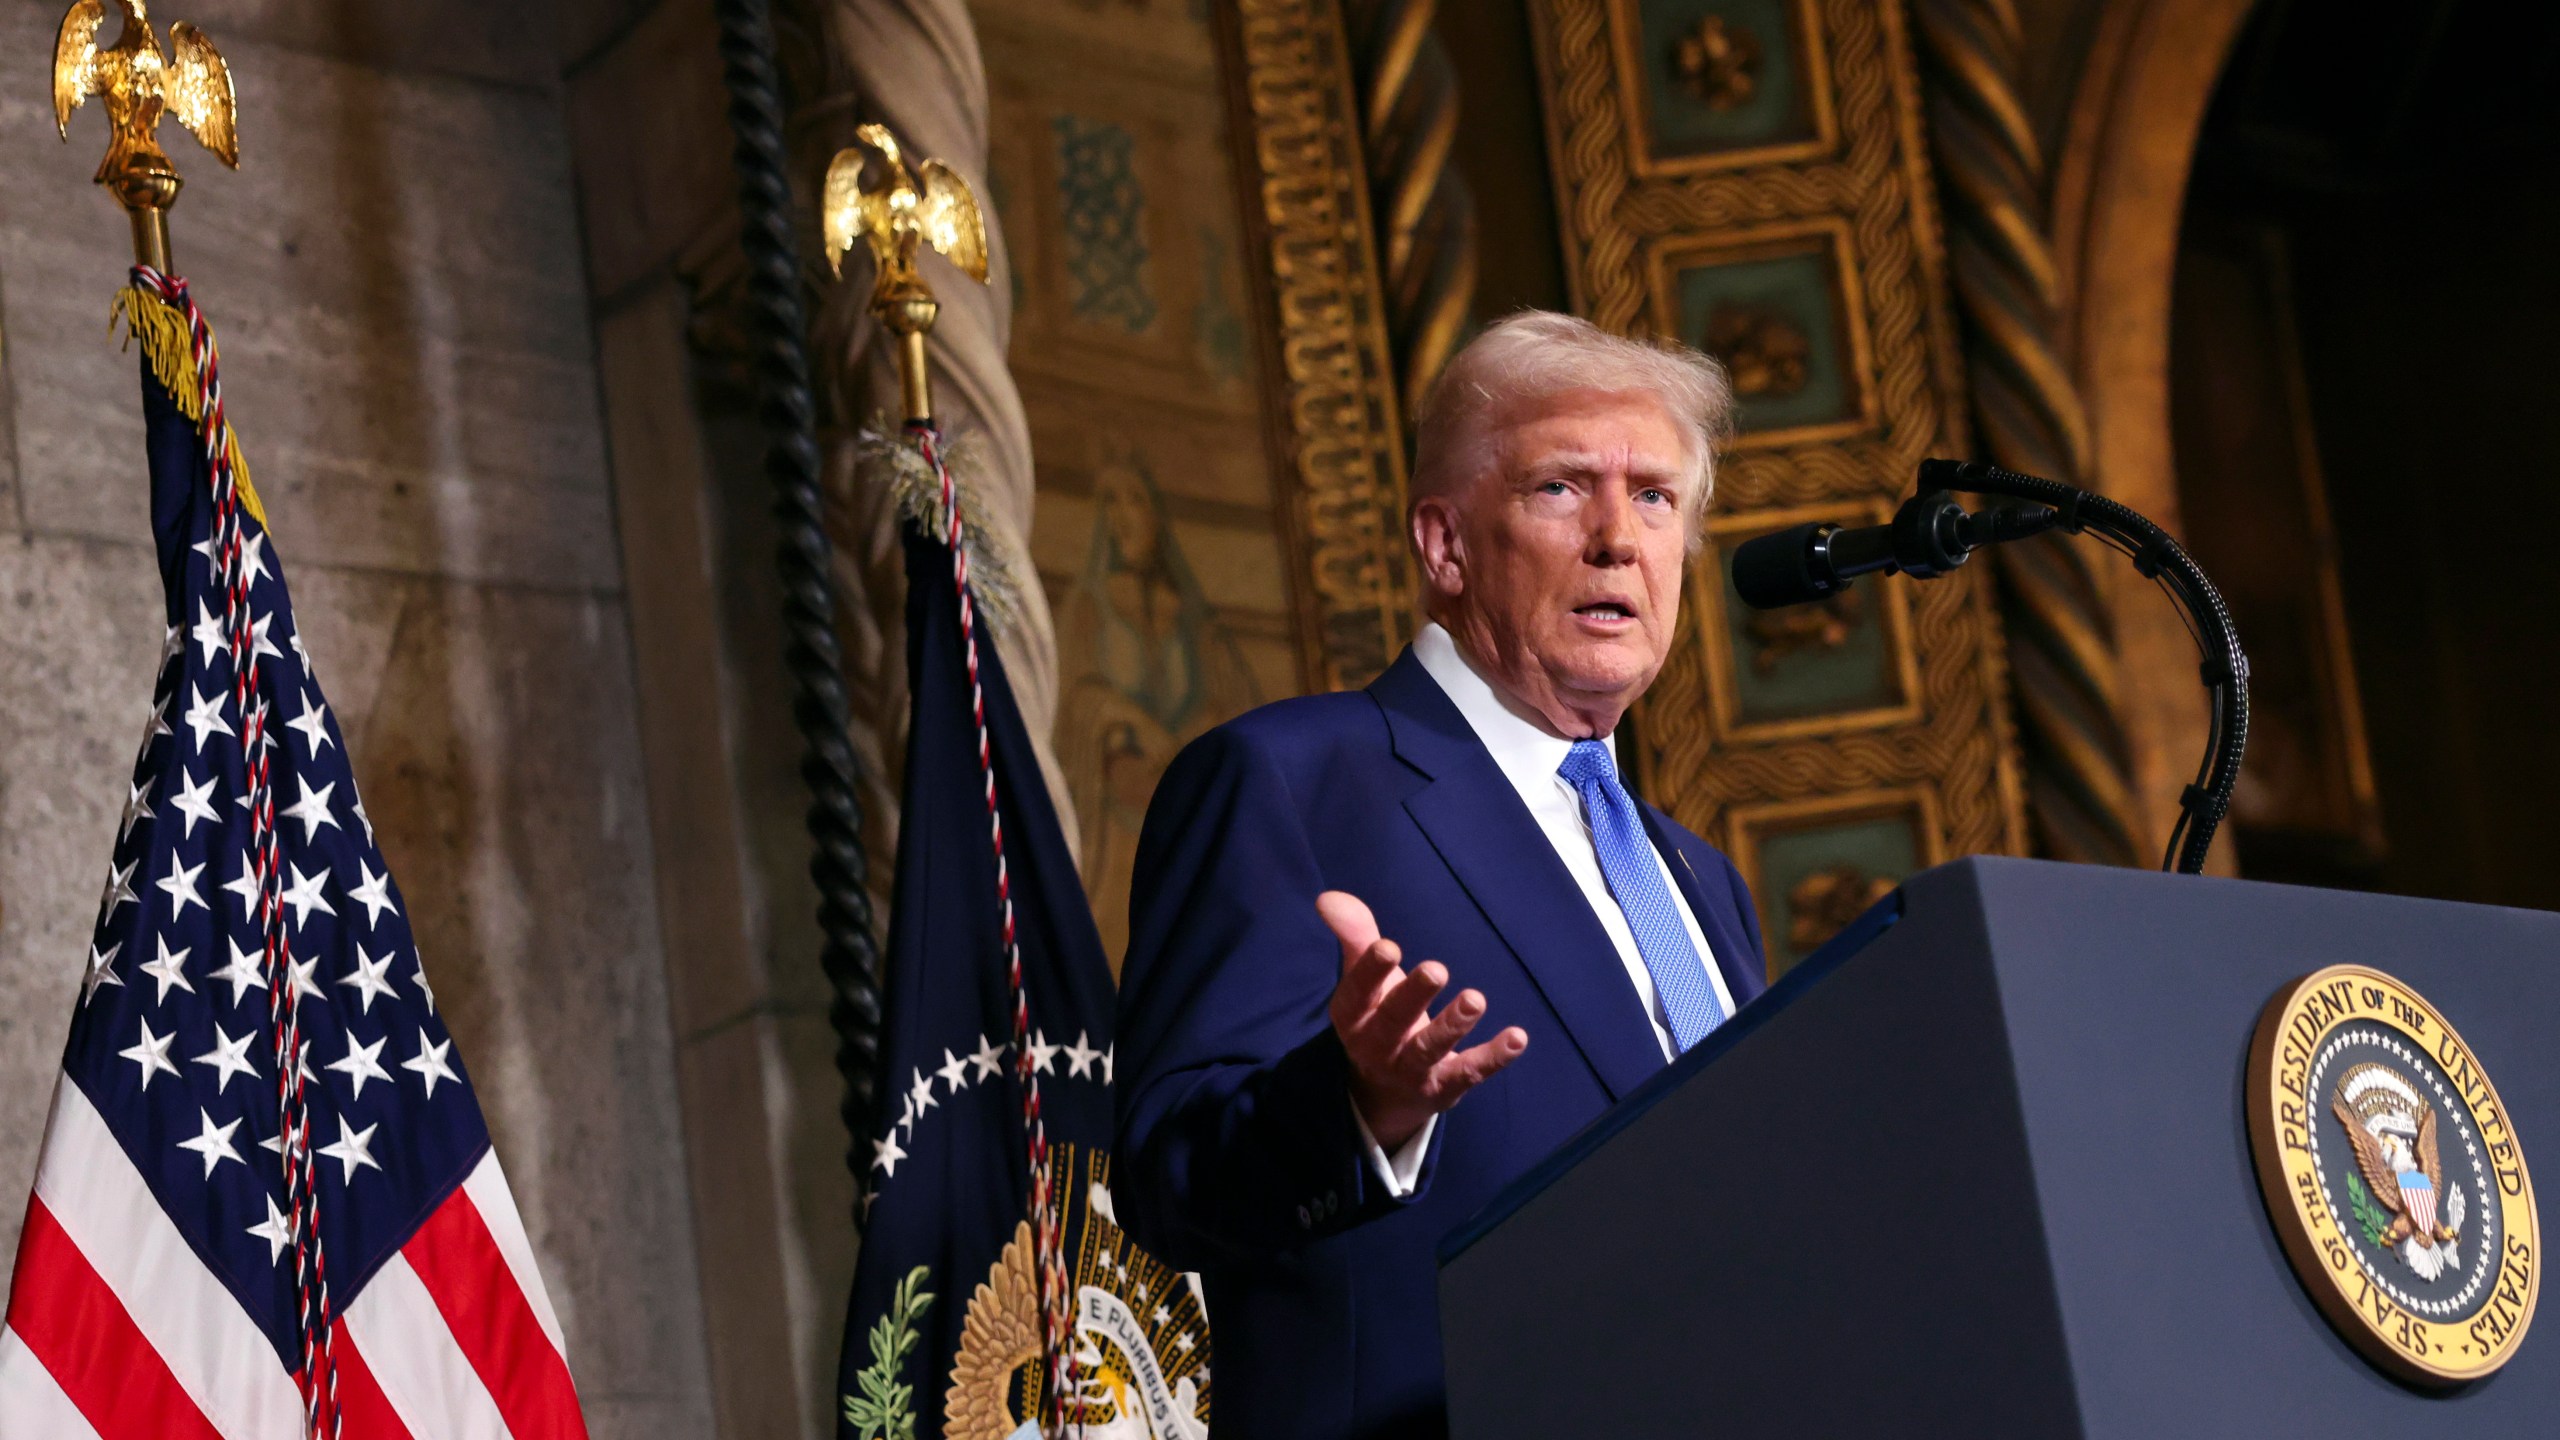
{"x":1141,"y":1336}
{"x":141,"y":83}
{"x":929,"y":204}
{"x":2397,"y":1154}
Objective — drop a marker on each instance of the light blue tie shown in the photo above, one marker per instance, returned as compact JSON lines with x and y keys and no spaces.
{"x":1635,"y":879}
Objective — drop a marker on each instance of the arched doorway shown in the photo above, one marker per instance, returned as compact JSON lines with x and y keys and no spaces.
{"x":2361,"y":400}
{"x":2119,"y":176}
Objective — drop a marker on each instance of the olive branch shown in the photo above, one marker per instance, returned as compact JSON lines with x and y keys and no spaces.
{"x":885,"y":1410}
{"x":2370,"y":1216}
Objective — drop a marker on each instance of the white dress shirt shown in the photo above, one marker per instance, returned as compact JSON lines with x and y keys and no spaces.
{"x":1528,"y":757}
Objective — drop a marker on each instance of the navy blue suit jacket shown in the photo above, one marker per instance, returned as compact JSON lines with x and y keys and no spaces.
{"x":1238,"y":1154}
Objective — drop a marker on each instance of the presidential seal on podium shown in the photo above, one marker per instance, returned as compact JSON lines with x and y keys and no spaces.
{"x":2393,"y":1175}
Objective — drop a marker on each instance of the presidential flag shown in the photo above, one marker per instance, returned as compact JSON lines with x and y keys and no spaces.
{"x":995,"y":1296}
{"x":267,"y":1205}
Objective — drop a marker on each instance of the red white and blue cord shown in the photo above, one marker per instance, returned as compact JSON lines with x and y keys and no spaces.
{"x":317,"y":1379}
{"x":1057,"y":1298}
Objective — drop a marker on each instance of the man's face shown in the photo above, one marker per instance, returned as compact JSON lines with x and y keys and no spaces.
{"x":1558,"y":569}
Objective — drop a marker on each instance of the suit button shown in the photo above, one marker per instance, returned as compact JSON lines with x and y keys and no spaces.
{"x":1306,"y":1221}
{"x":1330,"y":1202}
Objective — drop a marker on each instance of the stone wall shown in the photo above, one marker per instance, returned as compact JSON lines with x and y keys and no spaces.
{"x":398,"y":281}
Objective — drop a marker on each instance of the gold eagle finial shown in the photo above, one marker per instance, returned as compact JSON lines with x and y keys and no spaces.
{"x":931,"y":204}
{"x":142,"y":83}
{"x":928,"y":205}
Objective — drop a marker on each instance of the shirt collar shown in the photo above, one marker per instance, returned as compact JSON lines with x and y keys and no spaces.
{"x":1526,"y":753}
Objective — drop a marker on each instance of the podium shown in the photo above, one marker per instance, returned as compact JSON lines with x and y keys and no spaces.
{"x":1981,"y":1167}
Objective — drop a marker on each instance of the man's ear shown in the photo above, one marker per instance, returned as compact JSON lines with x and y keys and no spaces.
{"x":1443,"y":552}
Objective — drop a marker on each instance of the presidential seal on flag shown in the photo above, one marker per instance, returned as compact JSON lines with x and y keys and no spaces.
{"x":1141,"y":1330}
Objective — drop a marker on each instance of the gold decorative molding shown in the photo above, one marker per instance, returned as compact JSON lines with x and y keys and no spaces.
{"x":1828,"y":238}
{"x":1850,"y":168}
{"x":1718,"y":62}
{"x":1335,"y":413}
{"x":1888,"y":607}
{"x":1803,"y":906}
{"x":1823,"y":903}
{"x":1725,"y":56}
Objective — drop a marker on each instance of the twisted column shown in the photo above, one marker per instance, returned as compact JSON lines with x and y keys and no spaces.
{"x":767,"y":218}
{"x":2027,"y":415}
{"x":1420,"y":209}
{"x":914,"y":66}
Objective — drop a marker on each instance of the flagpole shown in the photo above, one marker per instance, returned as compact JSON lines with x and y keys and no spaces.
{"x":146,"y":195}
{"x":910,"y":318}
{"x":905,"y":209}
{"x":142,"y":84}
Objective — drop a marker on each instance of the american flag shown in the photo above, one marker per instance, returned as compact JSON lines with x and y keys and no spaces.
{"x":185,"y":1269}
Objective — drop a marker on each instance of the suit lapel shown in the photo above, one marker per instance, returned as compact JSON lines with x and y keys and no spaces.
{"x":1745,"y":975}
{"x":1475,"y":820}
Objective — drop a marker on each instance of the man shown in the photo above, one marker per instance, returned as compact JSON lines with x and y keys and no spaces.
{"x":1290,"y":1116}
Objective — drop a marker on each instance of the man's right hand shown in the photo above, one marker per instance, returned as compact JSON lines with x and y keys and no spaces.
{"x":1405,"y":1064}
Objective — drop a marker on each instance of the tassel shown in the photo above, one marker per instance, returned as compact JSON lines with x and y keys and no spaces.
{"x":886,"y":457}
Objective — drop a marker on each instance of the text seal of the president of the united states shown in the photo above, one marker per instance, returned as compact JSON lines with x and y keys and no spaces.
{"x":2393,"y":1175}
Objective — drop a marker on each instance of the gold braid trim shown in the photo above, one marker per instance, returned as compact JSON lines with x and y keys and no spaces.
{"x":165,"y":343}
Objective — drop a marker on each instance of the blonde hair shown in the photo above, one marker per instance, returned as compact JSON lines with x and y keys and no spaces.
{"x":1531,"y":354}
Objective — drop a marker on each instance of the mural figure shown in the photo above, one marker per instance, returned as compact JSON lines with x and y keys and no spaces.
{"x":1147,"y":665}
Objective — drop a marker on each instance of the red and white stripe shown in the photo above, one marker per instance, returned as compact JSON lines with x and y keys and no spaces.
{"x":2419,"y":1194}
{"x":117,"y":1331}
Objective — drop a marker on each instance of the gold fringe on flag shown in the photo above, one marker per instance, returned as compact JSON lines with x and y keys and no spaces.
{"x":163,"y":333}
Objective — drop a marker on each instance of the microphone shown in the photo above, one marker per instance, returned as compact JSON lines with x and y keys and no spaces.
{"x":1930,"y":535}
